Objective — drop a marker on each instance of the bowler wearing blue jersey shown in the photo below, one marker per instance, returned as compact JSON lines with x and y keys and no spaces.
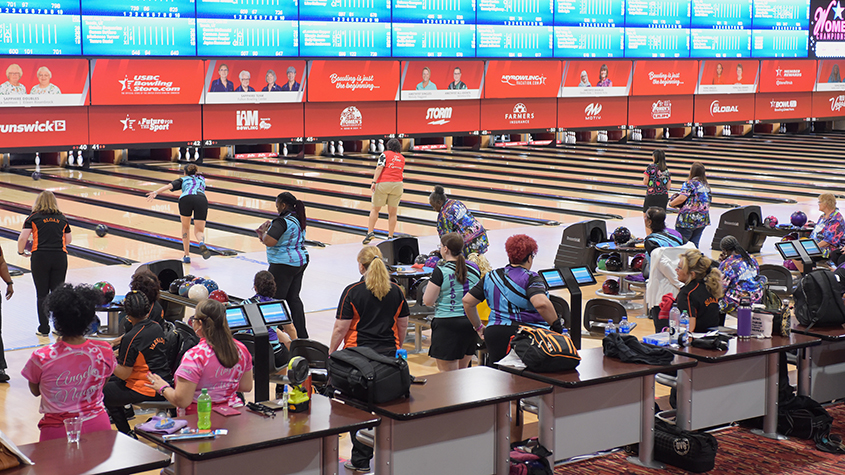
{"x":192,"y":203}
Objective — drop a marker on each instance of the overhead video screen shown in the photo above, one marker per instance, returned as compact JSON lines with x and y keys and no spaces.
{"x":40,"y":28}
{"x":248,"y":28}
{"x":138,"y":28}
{"x":434,"y":28}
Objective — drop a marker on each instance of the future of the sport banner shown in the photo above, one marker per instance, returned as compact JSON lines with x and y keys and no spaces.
{"x":519,"y":79}
{"x":44,"y":82}
{"x":596,"y":78}
{"x":146,"y":81}
{"x":123,"y":126}
{"x":665,"y":77}
{"x":350,"y":80}
{"x":254,"y":81}
{"x":728,"y":76}
{"x":432,"y":80}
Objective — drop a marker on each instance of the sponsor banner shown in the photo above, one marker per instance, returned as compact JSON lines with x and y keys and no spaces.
{"x":349,"y":119}
{"x":432,"y":117}
{"x":827,"y":29}
{"x":592,"y":112}
{"x":781,"y":106}
{"x":665,"y":77}
{"x":829,"y":104}
{"x":427,"y":80}
{"x":223,"y":122}
{"x":146,"y":81}
{"x":50,"y":127}
{"x":728,"y":76}
{"x":254,"y":81}
{"x":44,"y":82}
{"x":596,"y":79}
{"x":348,"y":80}
{"x":660,"y":110}
{"x":723,"y":109}
{"x":830,"y":74}
{"x":145,"y":124}
{"x":787,"y":75}
{"x":523,"y":78}
{"x":518,"y":114}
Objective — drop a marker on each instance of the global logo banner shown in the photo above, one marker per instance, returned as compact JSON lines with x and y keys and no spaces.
{"x":717,"y":108}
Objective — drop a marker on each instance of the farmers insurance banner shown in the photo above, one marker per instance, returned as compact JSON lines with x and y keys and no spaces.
{"x":728,"y":76}
{"x":518,"y":114}
{"x":427,"y":80}
{"x":50,"y":127}
{"x":517,"y":79}
{"x":254,"y":81}
{"x":829,"y":75}
{"x":596,"y":79}
{"x":438,"y":117}
{"x":338,"y":81}
{"x":660,"y":111}
{"x":280,"y":122}
{"x":349,"y":119}
{"x":784,"y":106}
{"x":44,"y":82}
{"x":592,"y":112}
{"x":146,"y":81}
{"x":116,"y":125}
{"x":787,"y":75}
{"x":724,"y":108}
{"x":665,"y":77}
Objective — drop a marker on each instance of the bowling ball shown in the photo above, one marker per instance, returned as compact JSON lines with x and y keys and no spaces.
{"x":637,"y":262}
{"x":210,"y":285}
{"x":602,"y":261}
{"x":790,"y":265}
{"x":770,"y":222}
{"x":174,"y":286}
{"x":793,"y":236}
{"x":189,"y":277}
{"x":107,"y":289}
{"x":613,"y":264}
{"x":36,"y":176}
{"x":197,"y":292}
{"x":610,"y":287}
{"x":101,"y":230}
{"x":184,"y":288}
{"x":798,"y":219}
{"x":219,"y":296}
{"x":621,"y":235}
{"x":198,"y":280}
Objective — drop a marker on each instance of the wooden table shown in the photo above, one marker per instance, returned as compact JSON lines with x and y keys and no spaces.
{"x":602,"y":404}
{"x":736,"y":384}
{"x":455,"y":423}
{"x":822,"y":368}
{"x":99,"y":453}
{"x":304,"y":443}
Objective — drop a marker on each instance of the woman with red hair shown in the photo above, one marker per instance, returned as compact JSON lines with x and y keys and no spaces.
{"x":516,"y":297}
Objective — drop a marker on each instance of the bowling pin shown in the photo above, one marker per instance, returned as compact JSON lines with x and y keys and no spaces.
{"x":179,"y":157}
{"x":79,"y":158}
{"x":331,"y":148}
{"x":380,"y":146}
{"x":196,"y":153}
{"x":285,"y":150}
{"x":38,"y":158}
{"x":373,"y":146}
{"x":340,"y":147}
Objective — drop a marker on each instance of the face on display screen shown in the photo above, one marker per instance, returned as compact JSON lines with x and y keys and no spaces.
{"x":236,"y":317}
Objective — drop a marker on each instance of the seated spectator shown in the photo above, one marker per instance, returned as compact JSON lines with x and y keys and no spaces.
{"x":69,"y":374}
{"x":829,"y":231}
{"x":141,"y":351}
{"x":657,"y":235}
{"x":700,"y":296}
{"x":148,"y":284}
{"x":741,"y":277}
{"x":264,"y":285}
{"x":218,"y":363}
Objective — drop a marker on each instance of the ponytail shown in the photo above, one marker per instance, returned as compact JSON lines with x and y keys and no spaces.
{"x":455,"y":244}
{"x":483,"y":264}
{"x":297,"y":207}
{"x":212,"y":317}
{"x":713,"y":282}
{"x":376,"y":277}
{"x":698,"y":265}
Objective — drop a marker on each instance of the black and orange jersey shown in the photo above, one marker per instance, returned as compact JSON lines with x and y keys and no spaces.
{"x":48,"y":231}
{"x":142,"y":349}
{"x":374,"y":322}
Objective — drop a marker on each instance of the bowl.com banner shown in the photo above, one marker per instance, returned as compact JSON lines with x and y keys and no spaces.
{"x":724,"y":109}
{"x":653,"y":78}
{"x":596,"y":79}
{"x":787,"y":75}
{"x":280,"y":122}
{"x":44,"y":82}
{"x":121,"y":125}
{"x":728,"y":76}
{"x":254,"y":81}
{"x":829,"y":75}
{"x":353,"y":81}
{"x":146,"y":81}
{"x":46,"y":127}
{"x":524,"y":78}
{"x":431,"y":80}
{"x":660,"y":111}
{"x":349,"y":119}
{"x":592,"y":112}
{"x":775,"y":107}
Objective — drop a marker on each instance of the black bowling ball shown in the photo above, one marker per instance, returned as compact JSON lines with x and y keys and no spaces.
{"x":174,"y":286}
{"x":613,"y":264}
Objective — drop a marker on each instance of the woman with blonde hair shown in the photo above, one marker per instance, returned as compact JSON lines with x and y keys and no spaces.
{"x":702,"y":290}
{"x":50,"y":236}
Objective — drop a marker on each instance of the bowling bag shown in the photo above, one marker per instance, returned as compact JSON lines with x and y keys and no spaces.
{"x":544,"y":351}
{"x":363,"y":374}
{"x":818,"y":300}
{"x":691,"y":451}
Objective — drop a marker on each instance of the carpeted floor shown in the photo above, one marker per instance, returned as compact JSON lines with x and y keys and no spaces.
{"x":740,"y":452}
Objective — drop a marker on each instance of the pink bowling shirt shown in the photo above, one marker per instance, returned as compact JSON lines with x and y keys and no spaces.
{"x":200,"y":365}
{"x":71,"y":379}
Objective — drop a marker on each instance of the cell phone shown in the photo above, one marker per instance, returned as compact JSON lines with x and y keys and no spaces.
{"x":226,"y":411}
{"x":419,"y":381}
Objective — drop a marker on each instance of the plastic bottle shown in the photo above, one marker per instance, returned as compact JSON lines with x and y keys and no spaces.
{"x":609,"y":328}
{"x":674,"y":324}
{"x":684,"y":322}
{"x":624,"y":326}
{"x":564,"y":331}
{"x":204,"y":410}
{"x":402,"y":353}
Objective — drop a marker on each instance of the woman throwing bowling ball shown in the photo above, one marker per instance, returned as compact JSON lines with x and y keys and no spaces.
{"x":694,"y":202}
{"x":192,"y":202}
{"x":50,"y":236}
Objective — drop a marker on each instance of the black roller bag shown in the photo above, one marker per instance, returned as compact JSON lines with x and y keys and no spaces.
{"x":362,"y":373}
{"x":691,"y":451}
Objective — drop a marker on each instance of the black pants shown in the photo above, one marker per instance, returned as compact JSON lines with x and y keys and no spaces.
{"x":49,"y":269}
{"x":498,"y":338}
{"x":116,"y":395}
{"x":288,"y":284}
{"x":3,"y":364}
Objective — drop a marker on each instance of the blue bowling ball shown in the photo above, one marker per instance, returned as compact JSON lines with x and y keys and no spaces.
{"x":184,"y":288}
{"x":210,"y":285}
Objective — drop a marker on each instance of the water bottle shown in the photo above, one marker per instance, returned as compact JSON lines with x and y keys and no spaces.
{"x":564,"y":330}
{"x":204,"y":410}
{"x":684,"y":323}
{"x":743,"y":319}
{"x":674,"y":324}
{"x":624,"y":326}
{"x":402,"y":353}
{"x":609,"y":328}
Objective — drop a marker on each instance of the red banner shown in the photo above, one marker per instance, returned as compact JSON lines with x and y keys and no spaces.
{"x":829,"y":77}
{"x":234,"y":81}
{"x":787,"y":75}
{"x":518,"y":114}
{"x":51,"y":127}
{"x":271,"y":122}
{"x":829,"y":104}
{"x":724,"y":76}
{"x":523,"y":78}
{"x":435,"y":117}
{"x":350,"y":119}
{"x":592,"y":112}
{"x":44,"y":82}
{"x":146,"y":81}
{"x":428,"y":80}
{"x":784,"y":106}
{"x":335,"y":81}
{"x":115,"y":125}
{"x":596,"y":78}
{"x":724,"y":108}
{"x":660,"y":111}
{"x":665,"y":77}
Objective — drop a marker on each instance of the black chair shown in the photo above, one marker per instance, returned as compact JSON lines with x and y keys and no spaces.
{"x":562,"y":310}
{"x":420,"y":315}
{"x":598,"y":312}
{"x":248,"y":341}
{"x":317,"y":355}
{"x":780,"y":279}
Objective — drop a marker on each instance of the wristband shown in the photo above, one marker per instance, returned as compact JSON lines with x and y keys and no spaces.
{"x":9,"y":283}
{"x":161,"y":389}
{"x":479,"y":327}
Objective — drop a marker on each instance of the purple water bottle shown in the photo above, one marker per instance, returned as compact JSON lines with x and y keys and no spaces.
{"x":743,"y":319}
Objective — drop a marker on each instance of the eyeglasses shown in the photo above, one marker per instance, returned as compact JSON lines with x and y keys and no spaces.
{"x":194,"y":318}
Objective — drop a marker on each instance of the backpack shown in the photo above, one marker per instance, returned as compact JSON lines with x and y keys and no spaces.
{"x":528,"y":457}
{"x":818,"y":300}
{"x":544,"y":351}
{"x":363,"y":374}
{"x":178,"y":339}
{"x":691,"y":451}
